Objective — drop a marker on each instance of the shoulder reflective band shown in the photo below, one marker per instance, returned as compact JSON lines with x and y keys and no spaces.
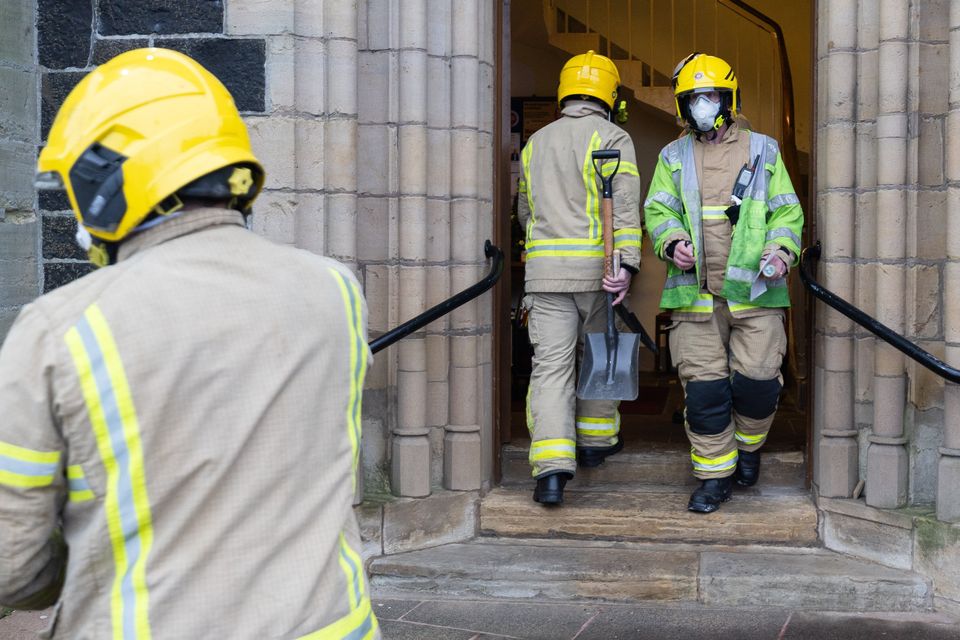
{"x":24,"y":468}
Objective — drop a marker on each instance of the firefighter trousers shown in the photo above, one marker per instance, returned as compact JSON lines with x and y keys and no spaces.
{"x":557,"y":420}
{"x":730,"y":371}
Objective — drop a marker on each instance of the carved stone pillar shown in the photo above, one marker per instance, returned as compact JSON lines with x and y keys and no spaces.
{"x":837,"y":451}
{"x":887,"y":461}
{"x":948,"y":467}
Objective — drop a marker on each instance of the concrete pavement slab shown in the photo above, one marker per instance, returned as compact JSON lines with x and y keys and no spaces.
{"x":519,"y":620}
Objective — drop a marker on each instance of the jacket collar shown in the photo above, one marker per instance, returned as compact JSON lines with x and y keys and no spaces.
{"x":580,"y":108}
{"x":187,"y":222}
{"x":730,"y":135}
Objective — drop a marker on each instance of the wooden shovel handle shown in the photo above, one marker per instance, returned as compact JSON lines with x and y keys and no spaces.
{"x":606,"y":207}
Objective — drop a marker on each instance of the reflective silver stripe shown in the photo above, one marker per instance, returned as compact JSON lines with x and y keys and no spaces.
{"x":690,"y":192}
{"x":779,"y":282}
{"x":627,"y":240}
{"x":783,"y":232}
{"x":678,"y":281}
{"x":747,"y":438}
{"x":30,"y":469}
{"x":782,"y":200}
{"x":564,"y":247}
{"x":669,"y":224}
{"x":763,"y":146}
{"x":666,"y":199}
{"x":737,"y":273}
{"x":722,"y":466}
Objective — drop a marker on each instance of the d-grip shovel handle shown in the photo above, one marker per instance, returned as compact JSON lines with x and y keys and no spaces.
{"x":606,"y":205}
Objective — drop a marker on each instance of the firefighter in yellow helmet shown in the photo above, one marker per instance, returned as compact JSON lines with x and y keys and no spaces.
{"x":723,"y":214}
{"x":172,"y":418}
{"x":559,"y":207}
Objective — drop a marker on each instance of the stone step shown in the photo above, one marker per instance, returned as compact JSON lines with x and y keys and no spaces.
{"x":657,"y":514}
{"x":631,"y":572}
{"x":652,"y":464}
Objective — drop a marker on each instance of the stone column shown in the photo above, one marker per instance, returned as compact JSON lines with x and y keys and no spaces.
{"x":462,"y":449}
{"x":837,"y":454}
{"x":948,"y":468}
{"x":410,"y":466}
{"x":887,"y":461}
{"x":19,"y":138}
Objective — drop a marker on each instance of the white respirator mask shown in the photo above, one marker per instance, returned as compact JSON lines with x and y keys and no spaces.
{"x":704,"y":112}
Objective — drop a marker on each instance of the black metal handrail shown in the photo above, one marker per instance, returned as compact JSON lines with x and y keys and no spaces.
{"x":807,"y":265}
{"x":489,"y":250}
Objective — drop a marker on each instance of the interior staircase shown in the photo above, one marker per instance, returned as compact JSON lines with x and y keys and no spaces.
{"x":647,"y":38}
{"x":623,"y":534}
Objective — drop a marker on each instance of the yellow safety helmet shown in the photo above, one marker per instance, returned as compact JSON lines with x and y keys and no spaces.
{"x":700,"y":73}
{"x":589,"y":74}
{"x":137,"y":133}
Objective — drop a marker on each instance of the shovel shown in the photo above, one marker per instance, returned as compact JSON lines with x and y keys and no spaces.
{"x":611,"y":360}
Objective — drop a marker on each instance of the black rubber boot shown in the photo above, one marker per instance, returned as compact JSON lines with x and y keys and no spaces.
{"x":708,"y":496}
{"x":550,"y":488}
{"x":748,"y":468}
{"x":588,"y":457}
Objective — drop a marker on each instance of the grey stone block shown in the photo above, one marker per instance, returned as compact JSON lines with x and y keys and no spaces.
{"x":948,"y":497}
{"x":370,"y":520}
{"x":63,"y":33}
{"x":18,"y":104}
{"x":656,"y":514}
{"x":128,"y":17}
{"x":410,"y":524}
{"x":838,"y":467}
{"x":885,"y":544}
{"x":54,"y":89}
{"x":937,"y":554}
{"x":16,"y":27}
{"x":106,"y":48}
{"x":18,"y":265}
{"x":7,"y":316}
{"x":541,"y":571}
{"x":887,"y":467}
{"x":57,"y":274}
{"x":17,"y":170}
{"x":239,"y":64}
{"x":54,"y":201}
{"x":822,"y":580}
{"x":59,"y":240}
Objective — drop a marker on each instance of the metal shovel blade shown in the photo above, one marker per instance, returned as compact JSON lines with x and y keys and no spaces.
{"x":609,"y":369}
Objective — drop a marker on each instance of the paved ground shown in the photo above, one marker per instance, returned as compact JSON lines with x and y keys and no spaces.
{"x":444,"y":619}
{"x":412,"y":619}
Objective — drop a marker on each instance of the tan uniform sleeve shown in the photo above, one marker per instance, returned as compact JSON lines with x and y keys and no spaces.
{"x":32,"y":479}
{"x":626,"y":202}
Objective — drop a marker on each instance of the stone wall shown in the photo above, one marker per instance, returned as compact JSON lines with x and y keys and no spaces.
{"x":888,"y":77}
{"x":374,"y":120}
{"x":19,"y":240}
{"x":75,"y":36}
{"x":886,"y":89}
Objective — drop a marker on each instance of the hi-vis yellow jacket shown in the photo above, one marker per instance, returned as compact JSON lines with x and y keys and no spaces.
{"x":190,"y":417}
{"x":559,"y":201}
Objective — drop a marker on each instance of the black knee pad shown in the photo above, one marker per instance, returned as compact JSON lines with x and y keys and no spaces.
{"x":708,"y":406}
{"x":755,"y":399}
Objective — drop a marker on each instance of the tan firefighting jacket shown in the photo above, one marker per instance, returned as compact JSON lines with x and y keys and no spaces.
{"x":559,"y":201}
{"x":191,"y":418}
